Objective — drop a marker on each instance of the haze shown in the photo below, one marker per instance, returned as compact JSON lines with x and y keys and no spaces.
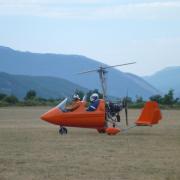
{"x":113,"y":32}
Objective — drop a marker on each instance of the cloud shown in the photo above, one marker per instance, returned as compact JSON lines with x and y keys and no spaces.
{"x":154,"y":10}
{"x":91,"y":9}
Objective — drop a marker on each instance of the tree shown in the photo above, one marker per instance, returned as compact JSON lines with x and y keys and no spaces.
{"x":177,"y":101}
{"x":168,"y":98}
{"x":157,"y":98}
{"x":11,"y":99}
{"x":139,"y":99}
{"x":2,"y":96}
{"x":30,"y":95}
{"x":129,"y":100}
{"x":80,"y":93}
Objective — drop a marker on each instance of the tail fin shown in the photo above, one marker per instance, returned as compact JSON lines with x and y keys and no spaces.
{"x":150,"y":114}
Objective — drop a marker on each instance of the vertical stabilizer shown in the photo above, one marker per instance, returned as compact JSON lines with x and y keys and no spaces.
{"x":150,"y":114}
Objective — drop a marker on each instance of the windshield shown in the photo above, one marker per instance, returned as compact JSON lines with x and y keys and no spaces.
{"x":62,"y":104}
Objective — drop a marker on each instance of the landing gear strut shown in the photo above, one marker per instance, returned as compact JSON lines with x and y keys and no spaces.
{"x":62,"y":130}
{"x":118,"y":117}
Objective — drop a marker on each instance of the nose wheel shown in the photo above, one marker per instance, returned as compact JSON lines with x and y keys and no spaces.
{"x":63,"y":130}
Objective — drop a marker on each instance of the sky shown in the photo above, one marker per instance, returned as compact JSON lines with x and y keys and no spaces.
{"x":110,"y":31}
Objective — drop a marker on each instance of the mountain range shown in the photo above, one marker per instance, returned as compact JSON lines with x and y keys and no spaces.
{"x":47,"y":87}
{"x":166,"y":79}
{"x":66,"y":67}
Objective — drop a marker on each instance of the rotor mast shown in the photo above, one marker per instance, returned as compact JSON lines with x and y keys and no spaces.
{"x":102,"y":76}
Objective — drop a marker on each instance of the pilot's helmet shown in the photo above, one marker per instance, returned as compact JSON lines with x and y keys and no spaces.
{"x":76,"y":97}
{"x":94,"y":97}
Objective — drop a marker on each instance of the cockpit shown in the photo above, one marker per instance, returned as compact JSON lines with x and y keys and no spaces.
{"x":79,"y":106}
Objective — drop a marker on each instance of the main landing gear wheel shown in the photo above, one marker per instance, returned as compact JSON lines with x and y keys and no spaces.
{"x":102,"y":130}
{"x":63,"y":130}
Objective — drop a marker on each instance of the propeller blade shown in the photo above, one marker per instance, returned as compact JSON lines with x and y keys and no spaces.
{"x":126,"y":113}
{"x":126,"y":110}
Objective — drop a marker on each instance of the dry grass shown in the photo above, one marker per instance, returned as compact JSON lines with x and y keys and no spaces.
{"x":32,"y":149}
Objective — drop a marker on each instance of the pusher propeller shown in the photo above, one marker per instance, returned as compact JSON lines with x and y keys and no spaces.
{"x":125,"y":105}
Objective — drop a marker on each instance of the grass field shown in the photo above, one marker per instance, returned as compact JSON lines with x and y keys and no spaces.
{"x":31,"y":149}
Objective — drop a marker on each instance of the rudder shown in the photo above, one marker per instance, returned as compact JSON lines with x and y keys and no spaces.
{"x":150,"y":114}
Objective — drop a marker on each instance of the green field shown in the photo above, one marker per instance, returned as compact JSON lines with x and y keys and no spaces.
{"x":31,"y":149}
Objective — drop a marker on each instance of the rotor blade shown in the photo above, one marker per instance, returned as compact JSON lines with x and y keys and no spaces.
{"x":88,"y":71}
{"x":119,"y":65}
{"x":97,"y":69}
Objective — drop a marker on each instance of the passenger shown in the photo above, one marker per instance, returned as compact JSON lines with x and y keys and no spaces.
{"x":75,"y":103}
{"x":94,"y":99}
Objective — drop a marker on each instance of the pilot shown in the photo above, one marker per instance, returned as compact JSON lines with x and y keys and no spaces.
{"x":75,"y":103}
{"x":94,"y":102}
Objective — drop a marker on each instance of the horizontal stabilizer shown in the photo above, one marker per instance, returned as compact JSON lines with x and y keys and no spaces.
{"x":150,"y":114}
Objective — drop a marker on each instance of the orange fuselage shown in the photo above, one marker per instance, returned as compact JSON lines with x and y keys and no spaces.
{"x":78,"y":118}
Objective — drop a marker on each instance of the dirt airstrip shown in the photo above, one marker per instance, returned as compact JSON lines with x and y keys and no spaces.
{"x":31,"y":149}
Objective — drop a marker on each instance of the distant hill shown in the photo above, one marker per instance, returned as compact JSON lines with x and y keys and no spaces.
{"x":66,"y":67}
{"x":141,"y":81}
{"x":166,"y":79}
{"x":47,"y":87}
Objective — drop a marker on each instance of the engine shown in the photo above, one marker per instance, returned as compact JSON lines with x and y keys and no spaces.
{"x":114,"y":108}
